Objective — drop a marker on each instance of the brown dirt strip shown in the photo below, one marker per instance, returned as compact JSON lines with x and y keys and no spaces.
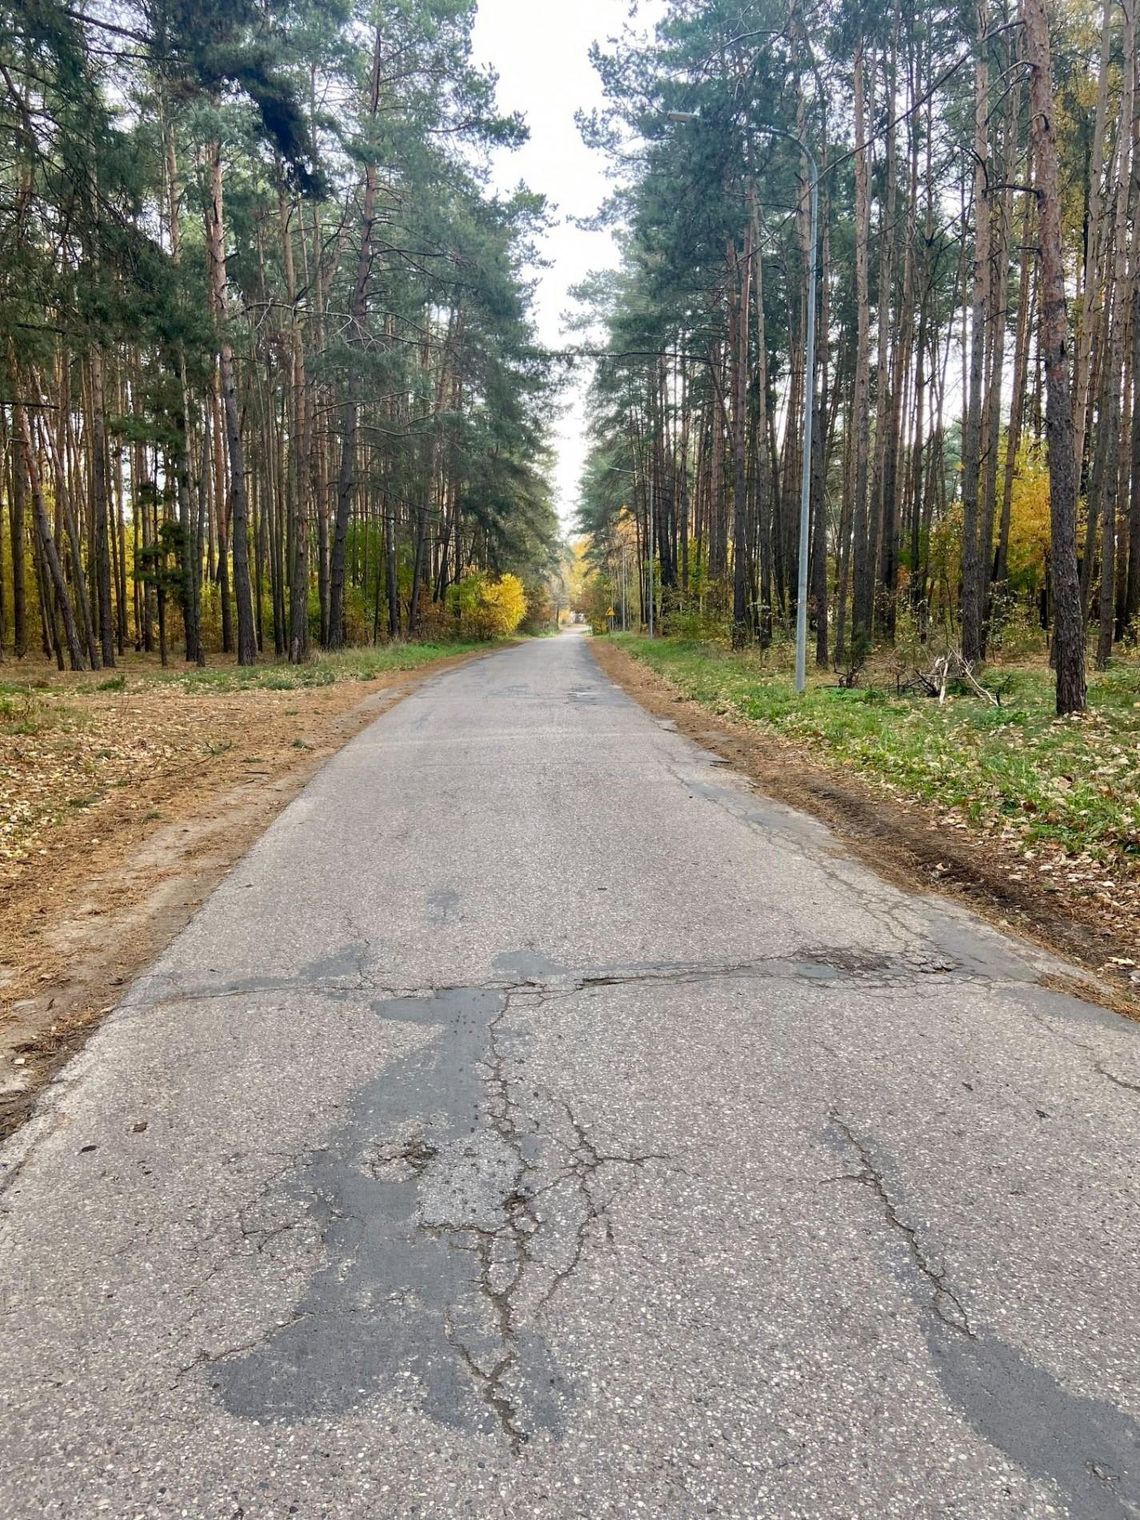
{"x":109,"y":888}
{"x":905,"y":842}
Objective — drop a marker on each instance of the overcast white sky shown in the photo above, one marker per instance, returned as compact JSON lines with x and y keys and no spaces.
{"x":540,"y":50}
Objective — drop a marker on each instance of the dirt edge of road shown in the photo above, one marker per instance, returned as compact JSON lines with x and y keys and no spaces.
{"x":126,"y":909}
{"x":901,"y":841}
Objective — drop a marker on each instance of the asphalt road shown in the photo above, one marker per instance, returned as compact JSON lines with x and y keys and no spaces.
{"x":540,"y":1123}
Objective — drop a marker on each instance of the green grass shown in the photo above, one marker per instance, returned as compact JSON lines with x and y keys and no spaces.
{"x":1074,"y":782}
{"x":22,"y":711}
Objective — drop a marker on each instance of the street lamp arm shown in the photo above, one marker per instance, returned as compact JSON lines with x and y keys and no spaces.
{"x":768,"y":126}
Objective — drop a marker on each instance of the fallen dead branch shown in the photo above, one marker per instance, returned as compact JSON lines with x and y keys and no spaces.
{"x":950,"y":668}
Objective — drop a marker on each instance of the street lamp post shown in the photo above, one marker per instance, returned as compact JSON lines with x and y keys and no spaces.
{"x":652,"y":548}
{"x":809,"y":392}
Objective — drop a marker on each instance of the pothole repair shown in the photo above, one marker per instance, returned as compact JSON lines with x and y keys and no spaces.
{"x":452,"y":1215}
{"x":457,"y":1201}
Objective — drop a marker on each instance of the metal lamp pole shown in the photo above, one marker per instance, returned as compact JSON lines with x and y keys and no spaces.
{"x":809,"y":409}
{"x":809,"y":393}
{"x":652,"y":549}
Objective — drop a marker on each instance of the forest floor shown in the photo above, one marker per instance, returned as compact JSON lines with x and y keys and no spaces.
{"x":126,"y":795}
{"x":1033,"y":819}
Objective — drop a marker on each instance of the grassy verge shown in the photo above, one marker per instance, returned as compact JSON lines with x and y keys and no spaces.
{"x":36,"y":679}
{"x":1069,"y":787}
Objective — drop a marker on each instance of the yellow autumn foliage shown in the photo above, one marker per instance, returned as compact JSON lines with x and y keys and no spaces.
{"x":1029,"y":527}
{"x":505,"y":602}
{"x":486,"y":608}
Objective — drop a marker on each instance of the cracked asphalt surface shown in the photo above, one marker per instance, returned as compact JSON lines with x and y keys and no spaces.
{"x":538,"y":1122}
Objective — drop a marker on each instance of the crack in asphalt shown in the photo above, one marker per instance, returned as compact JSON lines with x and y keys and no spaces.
{"x":490,"y":1385}
{"x":520,"y":1222}
{"x":1096,"y":1062}
{"x":783,"y":828}
{"x":814,"y":963}
{"x":1086,"y":1449}
{"x":204,"y":1358}
{"x":902,"y":918}
{"x":502,"y":1280}
{"x":945,"y":1303}
{"x":451,"y":1214}
{"x":585,"y":1163}
{"x":1117,"y":1081}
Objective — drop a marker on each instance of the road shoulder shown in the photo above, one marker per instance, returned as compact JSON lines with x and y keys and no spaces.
{"x":103,"y":898}
{"x":902,"y":841}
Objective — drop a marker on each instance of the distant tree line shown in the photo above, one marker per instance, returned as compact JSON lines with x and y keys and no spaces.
{"x":267,"y":372}
{"x":976,"y":454}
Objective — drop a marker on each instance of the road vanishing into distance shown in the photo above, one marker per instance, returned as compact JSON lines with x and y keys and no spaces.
{"x":538,"y":1122}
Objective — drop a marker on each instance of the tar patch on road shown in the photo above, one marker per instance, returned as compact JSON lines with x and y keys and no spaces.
{"x":451,"y":1217}
{"x":414,"y":1197}
{"x":1087,"y":1448}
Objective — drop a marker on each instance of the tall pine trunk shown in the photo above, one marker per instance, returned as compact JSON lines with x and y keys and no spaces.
{"x":1110,"y":422}
{"x":47,"y":540}
{"x":863,"y":570}
{"x":351,"y":409}
{"x":980,"y":305}
{"x":238,"y":505}
{"x":99,"y":508}
{"x":1068,"y":628}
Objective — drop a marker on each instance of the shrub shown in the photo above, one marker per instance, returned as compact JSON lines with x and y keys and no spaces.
{"x":485,"y":608}
{"x":506,"y":603}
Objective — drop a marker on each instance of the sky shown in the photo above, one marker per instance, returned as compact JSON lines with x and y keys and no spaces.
{"x":540,"y":50}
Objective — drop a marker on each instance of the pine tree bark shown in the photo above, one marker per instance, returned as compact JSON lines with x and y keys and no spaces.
{"x":1132,"y":588}
{"x":301,"y":441}
{"x":979,"y":308}
{"x":885,"y":400}
{"x":190,"y":558}
{"x":351,"y":409}
{"x":1068,"y":629}
{"x":19,"y":564}
{"x":47,"y":540}
{"x":1110,"y":422}
{"x":991,"y":430}
{"x":57,"y":452}
{"x":862,"y":570}
{"x":1092,"y":283}
{"x":99,"y":509}
{"x":238,"y":502}
{"x":1017,"y":403}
